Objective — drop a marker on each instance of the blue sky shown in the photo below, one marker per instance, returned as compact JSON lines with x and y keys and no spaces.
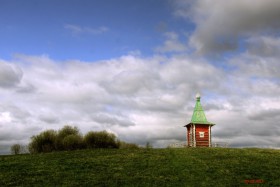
{"x":44,"y":27}
{"x":133,"y":68}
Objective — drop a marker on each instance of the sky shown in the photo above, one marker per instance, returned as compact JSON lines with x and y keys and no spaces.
{"x":133,"y":68}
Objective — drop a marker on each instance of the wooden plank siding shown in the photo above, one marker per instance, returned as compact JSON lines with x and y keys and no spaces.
{"x":202,"y":141}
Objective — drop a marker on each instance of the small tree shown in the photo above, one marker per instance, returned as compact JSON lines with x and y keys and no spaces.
{"x":149,"y":146}
{"x":15,"y":149}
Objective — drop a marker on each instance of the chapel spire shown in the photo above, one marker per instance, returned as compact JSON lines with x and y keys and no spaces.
{"x":198,"y":116}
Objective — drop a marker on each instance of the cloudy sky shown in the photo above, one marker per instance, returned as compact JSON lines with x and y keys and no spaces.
{"x":134,"y":67}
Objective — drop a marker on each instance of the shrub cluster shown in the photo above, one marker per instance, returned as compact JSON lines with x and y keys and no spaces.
{"x":124,"y":145}
{"x":69,"y":138}
{"x":101,"y":139}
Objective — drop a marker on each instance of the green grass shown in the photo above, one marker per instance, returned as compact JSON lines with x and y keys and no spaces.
{"x":144,"y":167}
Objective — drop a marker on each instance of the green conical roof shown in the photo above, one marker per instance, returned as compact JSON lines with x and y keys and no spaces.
{"x":198,"y":116}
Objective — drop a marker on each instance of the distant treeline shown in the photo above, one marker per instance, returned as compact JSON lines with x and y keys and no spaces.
{"x":69,"y":138}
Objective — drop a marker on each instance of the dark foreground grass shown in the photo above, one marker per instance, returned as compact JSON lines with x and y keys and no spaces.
{"x":144,"y":167}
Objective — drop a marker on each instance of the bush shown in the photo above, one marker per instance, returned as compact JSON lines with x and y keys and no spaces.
{"x":73,"y":142}
{"x":63,"y":141}
{"x":15,"y":149}
{"x":67,"y":130}
{"x":101,"y":139}
{"x":124,"y":145}
{"x":44,"y":142}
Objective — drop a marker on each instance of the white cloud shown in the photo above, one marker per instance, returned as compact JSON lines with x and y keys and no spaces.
{"x":111,"y":120}
{"x":77,"y":29}
{"x":172,"y":44}
{"x":5,"y":117}
{"x":220,"y":25}
{"x":264,"y":46}
{"x":10,"y":74}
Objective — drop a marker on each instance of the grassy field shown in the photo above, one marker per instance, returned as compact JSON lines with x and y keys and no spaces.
{"x":144,"y":167}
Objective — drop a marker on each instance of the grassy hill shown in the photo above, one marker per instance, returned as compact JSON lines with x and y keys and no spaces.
{"x":144,"y":167}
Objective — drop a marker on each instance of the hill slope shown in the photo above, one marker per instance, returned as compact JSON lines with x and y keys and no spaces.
{"x":143,"y":167}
